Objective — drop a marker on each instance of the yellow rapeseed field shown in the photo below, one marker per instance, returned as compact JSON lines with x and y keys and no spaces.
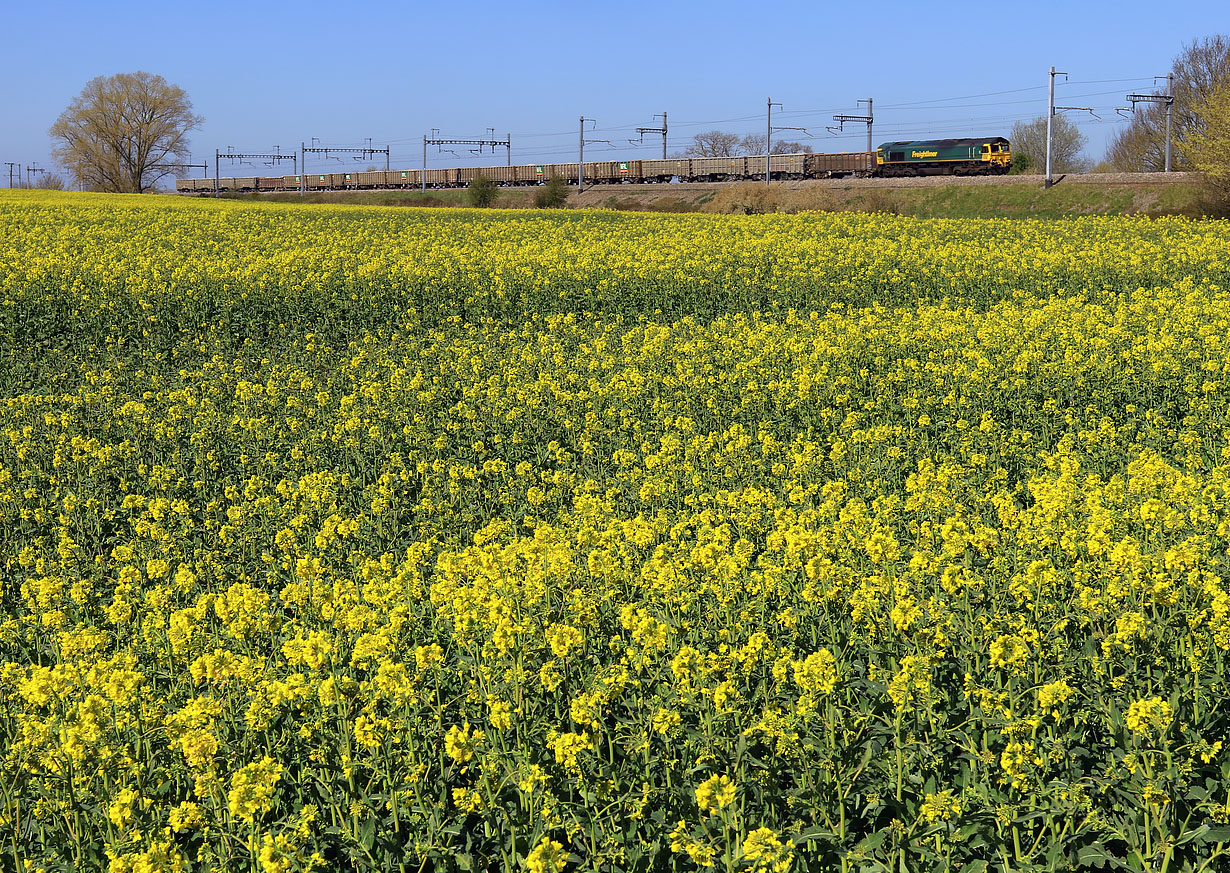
{"x":349,"y":539}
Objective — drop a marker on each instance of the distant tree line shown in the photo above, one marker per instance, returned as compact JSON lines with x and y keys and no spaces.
{"x":722,"y":144}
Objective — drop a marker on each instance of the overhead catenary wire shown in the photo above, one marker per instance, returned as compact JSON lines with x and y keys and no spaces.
{"x":546,"y":150}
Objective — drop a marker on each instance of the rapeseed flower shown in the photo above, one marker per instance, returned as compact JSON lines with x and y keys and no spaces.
{"x":1149,"y":717}
{"x":766,"y":851}
{"x":715,"y":793}
{"x":547,"y":857}
{"x":461,"y":742}
{"x":252,"y":789}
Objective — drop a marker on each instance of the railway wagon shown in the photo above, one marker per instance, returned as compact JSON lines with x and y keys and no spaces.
{"x":781,"y":166}
{"x":498,"y":175}
{"x":269,"y":183}
{"x":523,"y":174}
{"x":237,"y":183}
{"x":665,"y":170}
{"x":822,"y":166}
{"x":528,"y":174}
{"x":567,"y":172}
{"x":404,"y":178}
{"x":718,"y":169}
{"x":441,"y":178}
{"x":600,"y":172}
{"x":194,"y":185}
{"x":611,"y":172}
{"x":341,"y":181}
{"x":943,"y":156}
{"x":317,"y":182}
{"x":371,"y":179}
{"x":292,"y":183}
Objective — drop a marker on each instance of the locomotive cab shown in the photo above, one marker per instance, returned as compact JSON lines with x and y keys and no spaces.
{"x":997,"y":155}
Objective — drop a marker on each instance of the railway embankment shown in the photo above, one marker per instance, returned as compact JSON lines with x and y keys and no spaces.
{"x":1153,"y":194}
{"x":931,"y":196}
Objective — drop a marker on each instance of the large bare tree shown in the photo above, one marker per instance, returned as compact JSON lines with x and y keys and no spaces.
{"x":1199,"y":70}
{"x":713,"y":144}
{"x":121,"y":132}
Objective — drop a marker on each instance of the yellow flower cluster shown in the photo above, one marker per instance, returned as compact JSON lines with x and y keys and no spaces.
{"x":337,"y":538}
{"x":715,"y":793}
{"x":252,"y":788}
{"x":766,"y":852}
{"x":1149,"y":717}
{"x":548,"y":857}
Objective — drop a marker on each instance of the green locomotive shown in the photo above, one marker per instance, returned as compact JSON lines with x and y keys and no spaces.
{"x":959,"y":157}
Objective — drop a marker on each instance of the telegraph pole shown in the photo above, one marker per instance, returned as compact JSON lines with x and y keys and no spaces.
{"x":481,"y":143}
{"x":768,"y":139}
{"x":1169,"y":116}
{"x":641,"y":131}
{"x":12,"y":164}
{"x":507,"y":145}
{"x":870,"y":118}
{"x":1168,"y":100}
{"x":1050,"y":117}
{"x":360,"y":153}
{"x":867,"y":119}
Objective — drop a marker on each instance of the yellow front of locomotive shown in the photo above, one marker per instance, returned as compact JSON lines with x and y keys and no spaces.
{"x":997,"y":154}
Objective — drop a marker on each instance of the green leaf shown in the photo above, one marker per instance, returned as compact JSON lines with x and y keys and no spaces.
{"x":1092,"y":856}
{"x":1219,"y":834}
{"x":1035,"y":814}
{"x":871,"y":842}
{"x":1195,"y":834}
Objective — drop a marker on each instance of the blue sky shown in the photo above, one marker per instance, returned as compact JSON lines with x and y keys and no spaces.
{"x":274,"y":74}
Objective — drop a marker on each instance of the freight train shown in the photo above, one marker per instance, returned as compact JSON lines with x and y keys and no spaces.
{"x":926,"y":157}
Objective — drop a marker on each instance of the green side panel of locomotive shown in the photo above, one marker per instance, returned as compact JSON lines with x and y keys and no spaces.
{"x":928,"y":151}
